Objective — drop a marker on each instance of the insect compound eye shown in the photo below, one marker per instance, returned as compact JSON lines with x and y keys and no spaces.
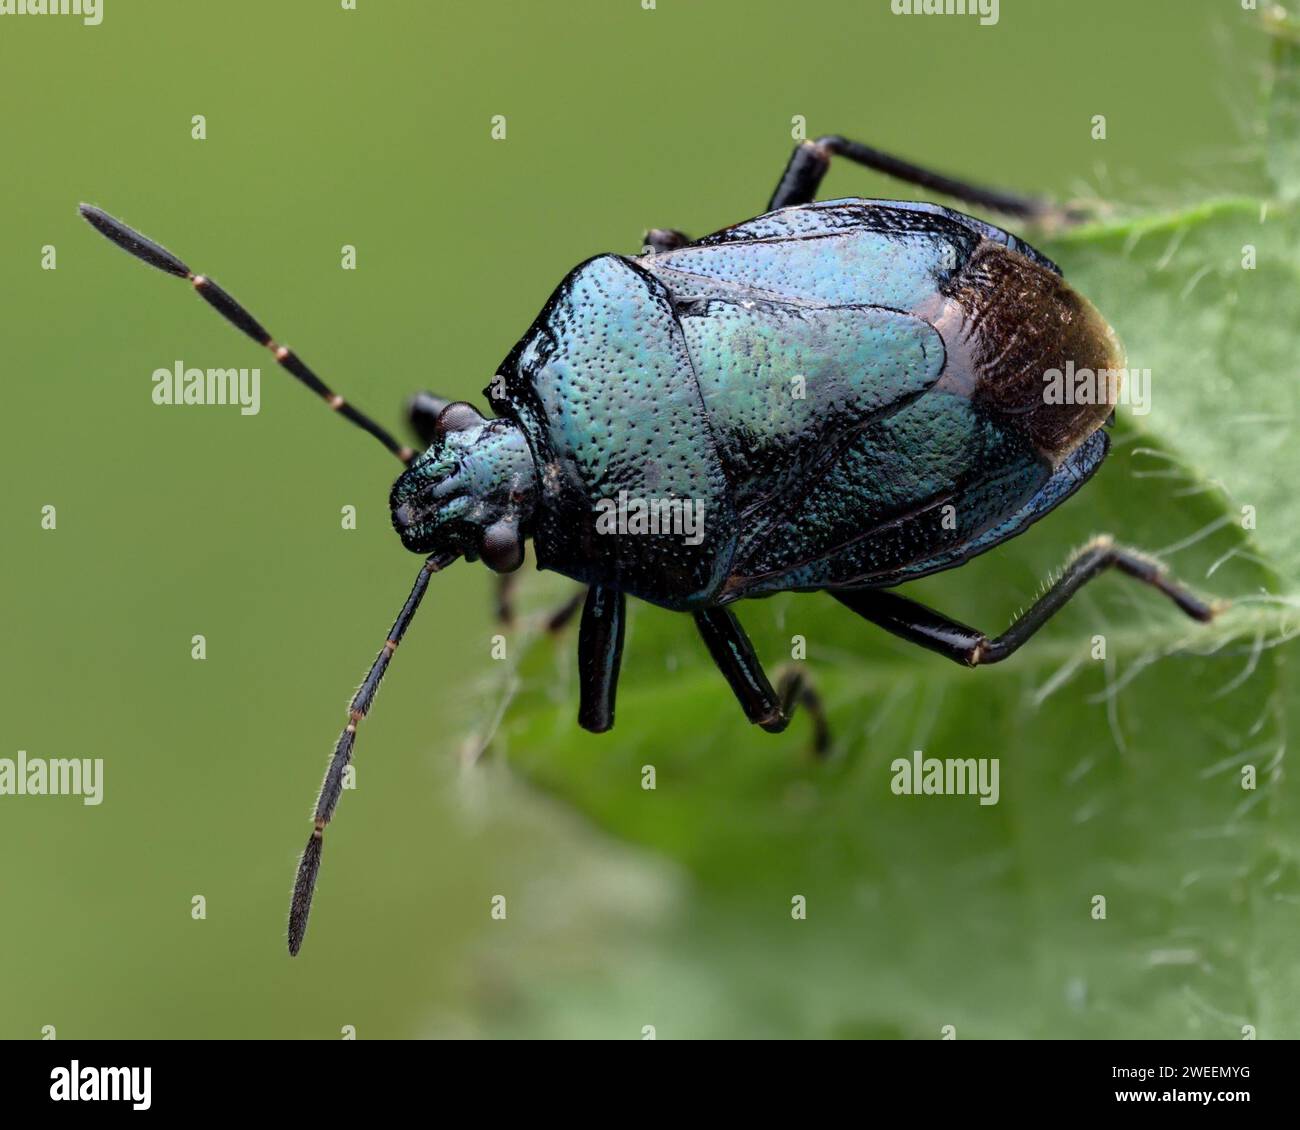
{"x":457,"y":417}
{"x":503,"y":548}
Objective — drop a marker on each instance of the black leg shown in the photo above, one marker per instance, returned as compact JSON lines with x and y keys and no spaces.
{"x":810,"y":160}
{"x":921,"y":625}
{"x":600,"y":651}
{"x":664,"y":239}
{"x":506,"y":585}
{"x":794,"y":689}
{"x":559,"y":619}
{"x":765,"y":707}
{"x":421,"y":412}
{"x":332,"y":787}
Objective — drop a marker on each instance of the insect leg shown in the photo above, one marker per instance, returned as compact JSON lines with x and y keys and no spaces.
{"x":765,"y":707}
{"x":600,"y":651}
{"x":559,"y":619}
{"x":810,"y":160}
{"x":421,"y":412}
{"x":664,"y":239}
{"x":506,"y":583}
{"x":923,"y":626}
{"x":794,"y":688}
{"x":332,"y":787}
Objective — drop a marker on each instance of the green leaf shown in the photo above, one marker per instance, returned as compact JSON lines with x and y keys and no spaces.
{"x":1120,"y":777}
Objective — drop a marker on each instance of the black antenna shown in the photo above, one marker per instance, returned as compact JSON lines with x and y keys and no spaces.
{"x":158,"y":256}
{"x":332,"y":787}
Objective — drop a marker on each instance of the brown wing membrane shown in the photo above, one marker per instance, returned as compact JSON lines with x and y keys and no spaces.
{"x":1016,"y":333}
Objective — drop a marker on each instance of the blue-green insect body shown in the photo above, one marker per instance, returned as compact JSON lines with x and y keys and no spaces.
{"x":848,"y":391}
{"x":838,"y":396}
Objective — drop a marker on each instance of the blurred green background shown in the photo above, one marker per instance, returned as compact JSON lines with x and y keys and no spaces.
{"x":371,"y":127}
